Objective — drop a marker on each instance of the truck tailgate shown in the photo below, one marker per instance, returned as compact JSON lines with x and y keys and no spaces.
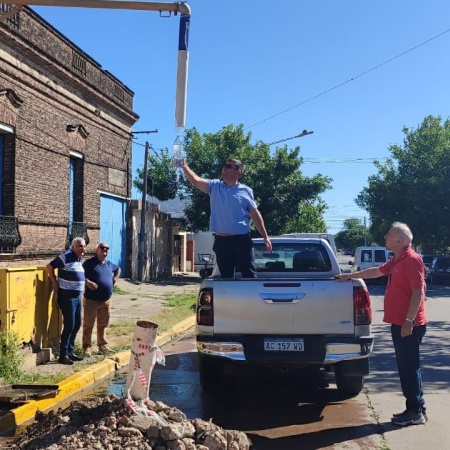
{"x":295,"y":306}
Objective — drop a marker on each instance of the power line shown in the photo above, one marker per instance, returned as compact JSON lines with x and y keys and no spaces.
{"x":350,"y":79}
{"x":343,"y":160}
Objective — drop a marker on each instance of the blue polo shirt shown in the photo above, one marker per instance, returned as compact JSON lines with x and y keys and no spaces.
{"x":102,"y":274}
{"x":230,"y":207}
{"x":70,"y":271}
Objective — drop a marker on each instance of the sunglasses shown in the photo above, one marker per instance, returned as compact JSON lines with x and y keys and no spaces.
{"x":232,"y":166}
{"x":104,"y":248}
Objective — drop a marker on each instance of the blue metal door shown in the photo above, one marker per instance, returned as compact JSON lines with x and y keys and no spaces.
{"x":113,"y":228}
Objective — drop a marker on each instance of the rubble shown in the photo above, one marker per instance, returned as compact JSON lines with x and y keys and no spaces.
{"x":110,"y":424}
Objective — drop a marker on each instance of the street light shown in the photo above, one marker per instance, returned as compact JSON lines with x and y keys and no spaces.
{"x":142,"y":255}
{"x":303,"y":133}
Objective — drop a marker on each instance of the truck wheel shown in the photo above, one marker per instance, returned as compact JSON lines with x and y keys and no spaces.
{"x":348,"y":385}
{"x":210,"y":374}
{"x":203,"y":273}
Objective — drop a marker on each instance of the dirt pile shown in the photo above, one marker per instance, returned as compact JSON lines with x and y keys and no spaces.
{"x":109,"y":423}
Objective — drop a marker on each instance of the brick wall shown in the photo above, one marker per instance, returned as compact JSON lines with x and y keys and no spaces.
{"x":63,"y":113}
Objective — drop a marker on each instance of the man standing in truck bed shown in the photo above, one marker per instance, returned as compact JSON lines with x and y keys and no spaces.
{"x":232,"y":203}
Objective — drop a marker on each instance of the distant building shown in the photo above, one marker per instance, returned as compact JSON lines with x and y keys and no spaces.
{"x":65,"y":145}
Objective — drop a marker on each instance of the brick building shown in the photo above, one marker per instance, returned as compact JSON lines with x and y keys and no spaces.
{"x":65,"y":145}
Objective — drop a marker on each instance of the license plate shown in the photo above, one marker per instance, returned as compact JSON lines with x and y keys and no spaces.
{"x":283,"y":345}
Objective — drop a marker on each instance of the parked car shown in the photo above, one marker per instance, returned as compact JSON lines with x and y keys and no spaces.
{"x":439,"y":271}
{"x":350,"y":252}
{"x":428,"y":259}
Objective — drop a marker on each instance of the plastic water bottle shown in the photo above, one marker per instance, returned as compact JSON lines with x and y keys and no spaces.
{"x":177,"y":152}
{"x":177,"y":156}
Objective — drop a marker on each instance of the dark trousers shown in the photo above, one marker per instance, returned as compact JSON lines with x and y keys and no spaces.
{"x":70,"y":304}
{"x":235,"y":252}
{"x":408,"y":364}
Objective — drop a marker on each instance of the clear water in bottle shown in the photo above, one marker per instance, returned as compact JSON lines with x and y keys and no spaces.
{"x":177,"y":156}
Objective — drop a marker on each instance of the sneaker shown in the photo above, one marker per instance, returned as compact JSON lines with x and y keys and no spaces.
{"x":87,"y":352}
{"x":65,"y":360}
{"x":75,"y":358}
{"x":396,"y":415}
{"x":105,"y":350}
{"x":408,"y":418}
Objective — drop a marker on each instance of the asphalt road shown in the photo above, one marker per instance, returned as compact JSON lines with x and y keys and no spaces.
{"x":285,"y":413}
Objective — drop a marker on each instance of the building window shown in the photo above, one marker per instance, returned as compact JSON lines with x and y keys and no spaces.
{"x":76,"y":182}
{"x":12,"y":13}
{"x":78,"y":64}
{"x":9,"y":228}
{"x":7,"y":171}
{"x":76,"y":226}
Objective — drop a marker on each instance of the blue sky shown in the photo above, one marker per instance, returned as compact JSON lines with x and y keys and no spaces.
{"x":279,"y":68}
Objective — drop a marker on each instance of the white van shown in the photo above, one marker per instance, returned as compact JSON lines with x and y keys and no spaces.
{"x":328,"y":237}
{"x":366,"y":257}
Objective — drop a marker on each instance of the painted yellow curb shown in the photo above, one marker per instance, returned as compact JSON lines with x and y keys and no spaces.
{"x":78,"y":382}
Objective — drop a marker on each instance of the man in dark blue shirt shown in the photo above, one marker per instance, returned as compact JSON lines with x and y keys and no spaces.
{"x":101,"y":276}
{"x":69,"y":288}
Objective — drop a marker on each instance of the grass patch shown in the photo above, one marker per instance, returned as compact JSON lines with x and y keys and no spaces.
{"x":11,"y":359}
{"x":118,"y":290}
{"x":178,"y":308}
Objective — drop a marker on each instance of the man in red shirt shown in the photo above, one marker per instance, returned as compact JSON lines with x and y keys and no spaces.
{"x":404,"y":309}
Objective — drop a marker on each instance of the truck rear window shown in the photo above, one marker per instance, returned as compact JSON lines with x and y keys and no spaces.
{"x":292,"y":258}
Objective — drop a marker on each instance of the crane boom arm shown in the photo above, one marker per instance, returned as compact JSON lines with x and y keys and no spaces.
{"x":174,"y":7}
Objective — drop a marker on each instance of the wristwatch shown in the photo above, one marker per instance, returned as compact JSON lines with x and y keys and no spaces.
{"x":410,"y":320}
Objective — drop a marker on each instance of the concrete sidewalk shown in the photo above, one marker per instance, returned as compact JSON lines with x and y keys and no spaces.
{"x":142,"y":300}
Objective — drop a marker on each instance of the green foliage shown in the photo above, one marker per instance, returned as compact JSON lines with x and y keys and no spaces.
{"x":309,"y":218}
{"x":413,"y":186}
{"x":286,"y":198}
{"x":354,"y":234}
{"x":11,"y":359}
{"x":161,"y":179}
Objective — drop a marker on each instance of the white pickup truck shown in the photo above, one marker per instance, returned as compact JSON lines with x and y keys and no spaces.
{"x":292,"y":316}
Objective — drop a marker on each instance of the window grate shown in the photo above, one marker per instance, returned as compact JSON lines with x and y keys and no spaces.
{"x":10,"y":237}
{"x":13,"y":19}
{"x":78,"y":64}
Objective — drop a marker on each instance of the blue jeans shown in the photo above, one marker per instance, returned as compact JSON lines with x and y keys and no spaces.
{"x":70,"y":304}
{"x":408,"y":364}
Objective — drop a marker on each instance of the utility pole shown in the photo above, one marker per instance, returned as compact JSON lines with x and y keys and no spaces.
{"x":142,"y":255}
{"x":365,"y":232}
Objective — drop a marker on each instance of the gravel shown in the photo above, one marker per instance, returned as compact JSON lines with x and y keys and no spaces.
{"x":110,"y":423}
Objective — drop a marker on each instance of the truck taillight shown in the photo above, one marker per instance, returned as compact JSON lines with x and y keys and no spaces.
{"x":361,"y":301}
{"x":205,"y":314}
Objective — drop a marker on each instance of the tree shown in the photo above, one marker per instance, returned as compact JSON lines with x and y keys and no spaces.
{"x":413,"y":186}
{"x":309,"y":219}
{"x":354,"y":234}
{"x":161,"y":178}
{"x":282,"y":193}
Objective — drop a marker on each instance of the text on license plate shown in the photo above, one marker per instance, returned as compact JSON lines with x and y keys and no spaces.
{"x":283,"y":345}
